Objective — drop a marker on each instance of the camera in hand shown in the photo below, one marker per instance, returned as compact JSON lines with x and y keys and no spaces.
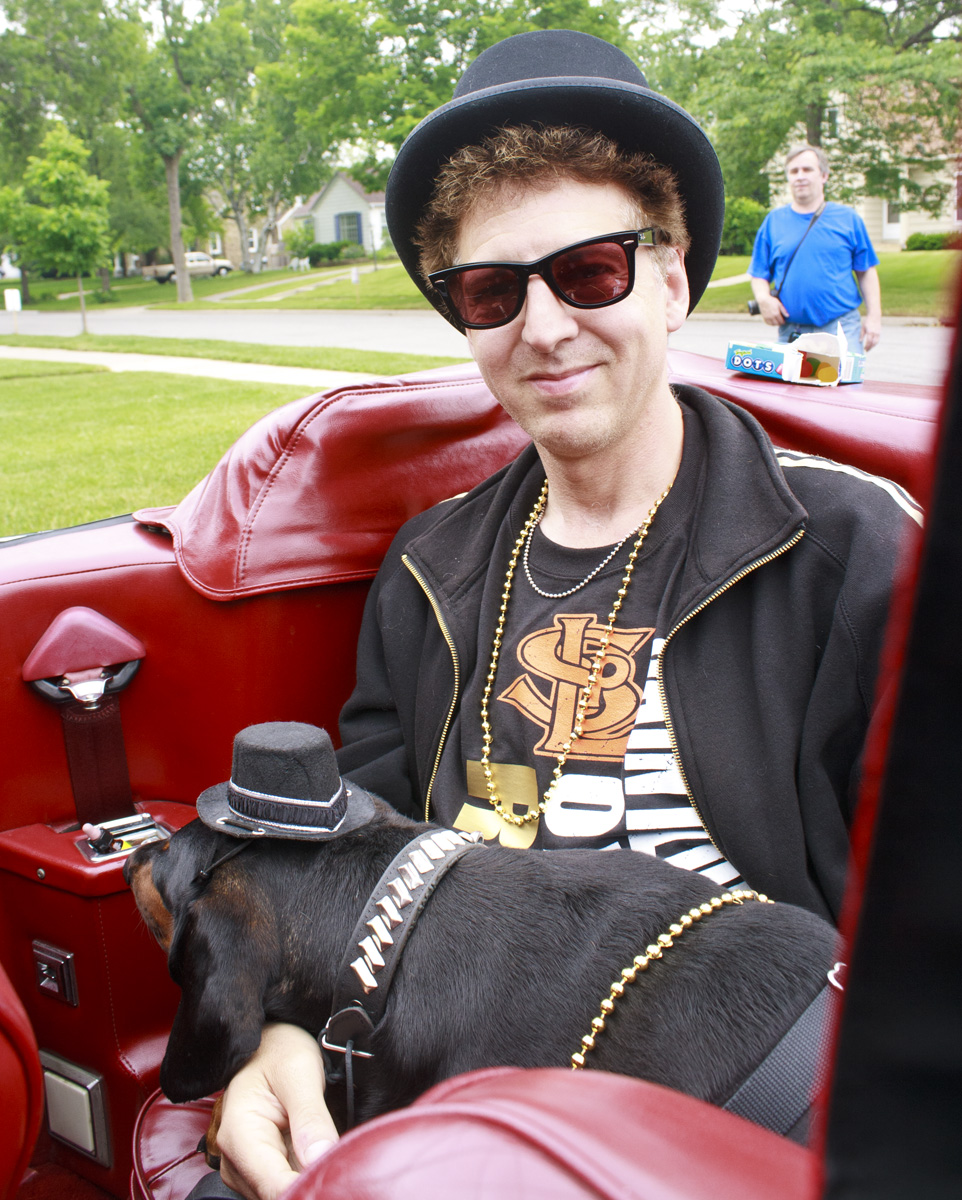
{"x":753,"y":308}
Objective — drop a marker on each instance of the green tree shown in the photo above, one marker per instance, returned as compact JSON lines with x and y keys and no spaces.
{"x":164,"y":96}
{"x":252,"y":149}
{"x":67,"y":61}
{"x":876,"y":82}
{"x":57,"y":220}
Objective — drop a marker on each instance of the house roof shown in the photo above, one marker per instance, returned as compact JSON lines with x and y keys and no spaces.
{"x":371,"y":197}
{"x":306,"y":207}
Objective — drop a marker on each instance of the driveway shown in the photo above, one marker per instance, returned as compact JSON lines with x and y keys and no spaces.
{"x":910,"y":351}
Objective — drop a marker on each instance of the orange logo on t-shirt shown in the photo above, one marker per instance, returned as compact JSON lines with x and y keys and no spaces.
{"x":562,"y":655}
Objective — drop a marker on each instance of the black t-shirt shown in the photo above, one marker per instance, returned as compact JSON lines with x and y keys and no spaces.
{"x":621,"y":785}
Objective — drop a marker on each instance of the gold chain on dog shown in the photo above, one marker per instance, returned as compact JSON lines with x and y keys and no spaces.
{"x":655,"y":950}
{"x":585,"y":696}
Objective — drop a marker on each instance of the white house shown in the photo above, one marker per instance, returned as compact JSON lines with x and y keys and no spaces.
{"x":341,"y":212}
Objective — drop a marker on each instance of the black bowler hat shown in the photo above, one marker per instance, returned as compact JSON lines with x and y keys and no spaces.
{"x":559,"y":77}
{"x":284,"y":783}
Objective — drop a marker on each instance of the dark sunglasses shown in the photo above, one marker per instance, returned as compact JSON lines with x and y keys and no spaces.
{"x":590,"y":274}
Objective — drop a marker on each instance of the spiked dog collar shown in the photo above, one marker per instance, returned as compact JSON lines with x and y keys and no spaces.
{"x":374,"y":950}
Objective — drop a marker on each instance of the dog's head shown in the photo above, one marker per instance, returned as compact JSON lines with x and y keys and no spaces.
{"x":258,"y":937}
{"x":222,"y":948}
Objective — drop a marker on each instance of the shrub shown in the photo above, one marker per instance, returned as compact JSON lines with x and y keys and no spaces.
{"x":743,"y":216}
{"x":353,"y":251}
{"x":934,"y":241}
{"x":298,"y":241}
{"x":325,"y":252}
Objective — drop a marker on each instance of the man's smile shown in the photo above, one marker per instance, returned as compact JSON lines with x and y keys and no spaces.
{"x":561,"y":381}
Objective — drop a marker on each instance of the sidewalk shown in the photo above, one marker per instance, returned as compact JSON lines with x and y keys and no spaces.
{"x":307,"y":377}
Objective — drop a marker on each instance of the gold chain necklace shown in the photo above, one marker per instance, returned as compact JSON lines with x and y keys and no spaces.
{"x":656,"y":950}
{"x":584,"y":697}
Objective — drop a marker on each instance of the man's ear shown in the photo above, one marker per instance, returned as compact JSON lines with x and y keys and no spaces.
{"x":223,"y":971}
{"x":677,"y":295}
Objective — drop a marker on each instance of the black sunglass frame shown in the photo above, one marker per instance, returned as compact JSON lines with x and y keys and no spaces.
{"x":628,"y":239}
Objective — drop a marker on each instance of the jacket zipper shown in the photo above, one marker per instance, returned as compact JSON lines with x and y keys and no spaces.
{"x":759,"y":562}
{"x":457,"y":677}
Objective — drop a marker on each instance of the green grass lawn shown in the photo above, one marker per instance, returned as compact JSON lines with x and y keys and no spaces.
{"x":27,"y":369}
{"x":322,"y":358}
{"x":388,"y":287}
{"x":100,"y":444}
{"x":45,"y":293}
{"x":916,"y":283}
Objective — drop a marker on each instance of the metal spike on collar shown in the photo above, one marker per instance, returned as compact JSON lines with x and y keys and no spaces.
{"x":421,"y":862}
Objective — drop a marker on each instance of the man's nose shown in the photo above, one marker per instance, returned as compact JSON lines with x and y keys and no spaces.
{"x":547,"y":319}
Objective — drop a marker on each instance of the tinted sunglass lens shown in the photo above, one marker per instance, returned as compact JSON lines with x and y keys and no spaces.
{"x":485,"y":295}
{"x":594,"y":274}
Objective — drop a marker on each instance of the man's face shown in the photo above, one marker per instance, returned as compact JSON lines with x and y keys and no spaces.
{"x":578,"y":381}
{"x":805,"y":180}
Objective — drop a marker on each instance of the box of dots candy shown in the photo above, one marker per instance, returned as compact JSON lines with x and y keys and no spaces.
{"x":816,"y":359}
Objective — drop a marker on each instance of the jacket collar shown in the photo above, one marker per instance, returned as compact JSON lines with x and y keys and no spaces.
{"x":745,"y":511}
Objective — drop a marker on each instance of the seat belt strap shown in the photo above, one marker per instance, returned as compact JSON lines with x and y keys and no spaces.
{"x":97,"y":760}
{"x":784,"y":1085}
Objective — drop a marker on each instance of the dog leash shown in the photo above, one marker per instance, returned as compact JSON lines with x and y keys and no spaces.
{"x":374,"y":949}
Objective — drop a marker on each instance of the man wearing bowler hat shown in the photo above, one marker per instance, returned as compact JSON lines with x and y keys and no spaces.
{"x":652,"y":630}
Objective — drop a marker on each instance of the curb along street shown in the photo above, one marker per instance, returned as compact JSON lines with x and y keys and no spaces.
{"x":912,"y":350}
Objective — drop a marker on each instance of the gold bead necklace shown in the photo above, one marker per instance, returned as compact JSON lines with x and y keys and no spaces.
{"x":584,"y":697}
{"x":641,"y":961}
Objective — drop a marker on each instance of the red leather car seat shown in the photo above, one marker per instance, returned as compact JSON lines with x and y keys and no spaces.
{"x":21,"y":1089}
{"x":506,"y":1132}
{"x":559,"y":1133}
{"x":167,"y":1161}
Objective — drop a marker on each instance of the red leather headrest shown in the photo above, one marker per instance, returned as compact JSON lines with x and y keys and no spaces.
{"x":314,"y":492}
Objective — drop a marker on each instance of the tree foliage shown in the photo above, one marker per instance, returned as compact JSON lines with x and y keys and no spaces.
{"x":876,"y":82}
{"x":57,"y":220}
{"x":254,"y":102}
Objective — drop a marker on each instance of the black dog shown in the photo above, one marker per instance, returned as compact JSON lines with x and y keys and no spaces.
{"x":506,"y":965}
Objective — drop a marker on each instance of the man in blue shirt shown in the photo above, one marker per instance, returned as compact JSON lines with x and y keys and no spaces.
{"x":819,"y":290}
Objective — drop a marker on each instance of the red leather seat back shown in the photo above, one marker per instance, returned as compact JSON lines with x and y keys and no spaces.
{"x":561,"y":1134}
{"x":21,"y":1090}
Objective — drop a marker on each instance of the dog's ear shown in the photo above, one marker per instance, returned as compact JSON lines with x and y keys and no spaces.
{"x":223,"y":967}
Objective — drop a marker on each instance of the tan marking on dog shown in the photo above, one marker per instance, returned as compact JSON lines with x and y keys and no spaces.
{"x":211,"y":1149}
{"x":157,"y":917}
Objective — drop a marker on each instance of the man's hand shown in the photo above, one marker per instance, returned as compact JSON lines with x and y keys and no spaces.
{"x":871,"y":331}
{"x":773,"y":312}
{"x":870,"y":287}
{"x":274,"y":1120}
{"x":771,"y":309}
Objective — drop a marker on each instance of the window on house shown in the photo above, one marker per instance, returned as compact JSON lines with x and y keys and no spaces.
{"x":215,"y":245}
{"x":893,"y":212}
{"x":347,"y":227}
{"x":252,"y":240}
{"x":831,"y":122}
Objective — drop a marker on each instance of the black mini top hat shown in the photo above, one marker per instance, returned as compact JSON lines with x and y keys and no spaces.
{"x":284,"y":784}
{"x":559,"y":77}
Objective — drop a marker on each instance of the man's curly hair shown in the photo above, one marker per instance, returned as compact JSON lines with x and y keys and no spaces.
{"x":529,"y":156}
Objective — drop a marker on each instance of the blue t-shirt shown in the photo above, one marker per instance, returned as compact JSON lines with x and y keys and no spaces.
{"x":820,"y":286}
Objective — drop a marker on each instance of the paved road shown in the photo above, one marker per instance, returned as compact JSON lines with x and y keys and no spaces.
{"x":913,"y":353}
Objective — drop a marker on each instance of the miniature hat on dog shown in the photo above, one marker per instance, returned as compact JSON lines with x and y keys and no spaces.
{"x":285,"y":784}
{"x":560,"y":77}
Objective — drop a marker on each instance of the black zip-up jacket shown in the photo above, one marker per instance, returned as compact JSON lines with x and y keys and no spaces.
{"x":769,"y":665}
